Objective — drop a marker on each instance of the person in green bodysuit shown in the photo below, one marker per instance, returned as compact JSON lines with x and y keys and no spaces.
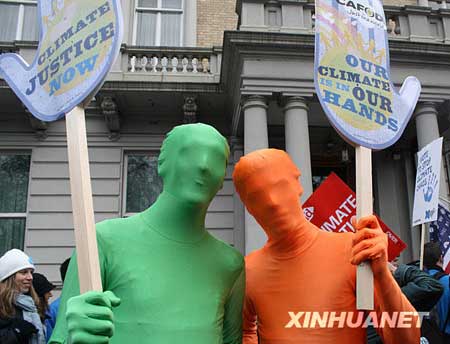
{"x":166,"y":279}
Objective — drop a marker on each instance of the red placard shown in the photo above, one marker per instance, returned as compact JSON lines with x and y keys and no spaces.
{"x":332,"y":206}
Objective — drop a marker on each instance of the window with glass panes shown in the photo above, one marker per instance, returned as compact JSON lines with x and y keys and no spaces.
{"x":159,"y":23}
{"x":142,"y":182}
{"x":18,"y":21}
{"x":14,"y":176}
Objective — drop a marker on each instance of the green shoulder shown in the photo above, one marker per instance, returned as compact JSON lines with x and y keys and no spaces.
{"x":233,"y":259}
{"x":117,"y":228}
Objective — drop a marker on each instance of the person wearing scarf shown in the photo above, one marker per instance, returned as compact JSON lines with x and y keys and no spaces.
{"x":20,"y":321}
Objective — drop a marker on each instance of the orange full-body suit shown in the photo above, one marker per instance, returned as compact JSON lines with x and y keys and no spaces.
{"x":302,"y":268}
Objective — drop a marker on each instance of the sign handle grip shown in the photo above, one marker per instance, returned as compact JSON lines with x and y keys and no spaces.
{"x":82,"y":204}
{"x":364,"y":207}
{"x":422,"y":244}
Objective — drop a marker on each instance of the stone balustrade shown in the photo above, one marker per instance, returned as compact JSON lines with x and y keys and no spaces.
{"x":173,"y":60}
{"x":419,"y":24}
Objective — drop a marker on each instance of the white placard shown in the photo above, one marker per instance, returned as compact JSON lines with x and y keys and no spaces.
{"x":426,"y":195}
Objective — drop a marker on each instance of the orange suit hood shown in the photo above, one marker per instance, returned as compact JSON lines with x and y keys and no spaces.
{"x":272,"y":196}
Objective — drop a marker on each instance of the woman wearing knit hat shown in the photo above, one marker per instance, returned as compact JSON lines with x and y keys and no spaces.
{"x":43,"y":289}
{"x":20,"y":321}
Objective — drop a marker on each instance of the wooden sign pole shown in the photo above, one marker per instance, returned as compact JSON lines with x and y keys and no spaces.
{"x":82,"y":204}
{"x":422,"y":244}
{"x":364,"y":207}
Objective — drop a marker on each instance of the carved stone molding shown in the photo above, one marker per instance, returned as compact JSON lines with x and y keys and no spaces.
{"x":190,"y":109}
{"x":111,"y":112}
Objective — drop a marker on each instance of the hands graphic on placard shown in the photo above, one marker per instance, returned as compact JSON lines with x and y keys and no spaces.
{"x":430,"y":187}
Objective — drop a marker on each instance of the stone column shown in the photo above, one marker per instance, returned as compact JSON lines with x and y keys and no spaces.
{"x":255,"y":137}
{"x":255,"y":124}
{"x":426,"y":123}
{"x":297,"y":140}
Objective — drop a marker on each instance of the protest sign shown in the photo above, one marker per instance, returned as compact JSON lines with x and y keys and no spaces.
{"x":426,"y":191}
{"x":440,"y":232}
{"x":79,"y":41}
{"x":332,"y":206}
{"x":352,"y":80}
{"x":352,"y":74}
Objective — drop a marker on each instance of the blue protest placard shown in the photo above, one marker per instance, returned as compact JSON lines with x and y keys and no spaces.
{"x":79,"y":41}
{"x":352,"y":74}
{"x":440,"y":232}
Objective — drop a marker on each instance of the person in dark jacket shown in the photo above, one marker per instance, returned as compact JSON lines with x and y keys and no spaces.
{"x":54,"y":306}
{"x":43,"y":289}
{"x":422,"y":290}
{"x":20,"y":321}
{"x":433,"y":262}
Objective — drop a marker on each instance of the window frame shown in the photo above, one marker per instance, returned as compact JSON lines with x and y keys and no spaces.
{"x":437,"y":4}
{"x":126,"y":154}
{"x":23,"y":215}
{"x":158,"y":10}
{"x":20,"y":15}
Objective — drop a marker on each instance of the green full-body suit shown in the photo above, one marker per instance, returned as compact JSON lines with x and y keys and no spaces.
{"x":176,"y":283}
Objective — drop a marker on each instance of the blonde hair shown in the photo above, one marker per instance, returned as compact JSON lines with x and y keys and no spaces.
{"x":8,"y":295}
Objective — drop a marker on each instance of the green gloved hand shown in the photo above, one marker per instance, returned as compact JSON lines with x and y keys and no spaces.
{"x":90,"y":319}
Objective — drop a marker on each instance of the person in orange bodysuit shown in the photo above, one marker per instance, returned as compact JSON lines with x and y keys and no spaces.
{"x":302,"y":268}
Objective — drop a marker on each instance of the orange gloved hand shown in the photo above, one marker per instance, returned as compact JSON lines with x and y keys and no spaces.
{"x":370,"y":243}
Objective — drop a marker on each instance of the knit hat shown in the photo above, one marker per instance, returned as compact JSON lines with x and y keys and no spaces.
{"x":12,"y":261}
{"x":41,"y":284}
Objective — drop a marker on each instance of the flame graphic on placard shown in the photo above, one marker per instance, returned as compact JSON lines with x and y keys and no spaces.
{"x":352,"y":74}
